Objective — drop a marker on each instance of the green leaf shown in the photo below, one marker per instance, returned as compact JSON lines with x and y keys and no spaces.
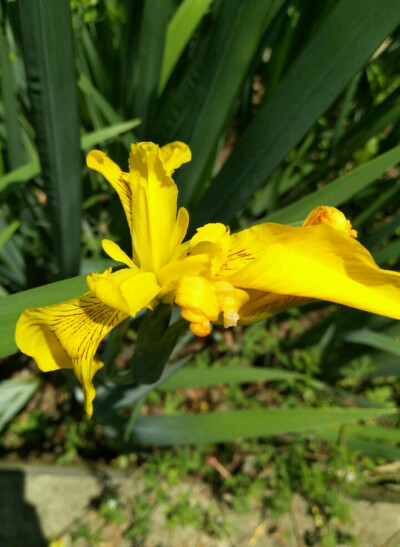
{"x":313,"y":82}
{"x":105,"y":133}
{"x":233,"y":43}
{"x":12,"y":306}
{"x":7,"y":232}
{"x":339,"y":191}
{"x":374,"y":340}
{"x":20,"y":174}
{"x":47,"y":41}
{"x":14,"y":394}
{"x":204,"y":377}
{"x":9,"y":99}
{"x":229,"y":426}
{"x":180,"y":29}
{"x":113,"y":396}
{"x":149,"y":60}
{"x":155,"y":343}
{"x":389,"y":251}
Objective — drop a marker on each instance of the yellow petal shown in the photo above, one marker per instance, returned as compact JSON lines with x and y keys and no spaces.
{"x":98,"y":161}
{"x":214,"y":240}
{"x":312,"y":262}
{"x":196,"y":296}
{"x":154,"y":223}
{"x":125,"y":290}
{"x":262,"y":305}
{"x":67,"y":335}
{"x":116,"y":253}
{"x":231,"y":300}
{"x":173,"y":155}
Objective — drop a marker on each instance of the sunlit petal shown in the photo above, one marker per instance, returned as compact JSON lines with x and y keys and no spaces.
{"x":154,"y":230}
{"x":115,"y":252}
{"x":67,"y":335}
{"x":312,"y":262}
{"x":126,"y":290}
{"x":262,"y":305}
{"x":98,"y":161}
{"x":173,"y":155}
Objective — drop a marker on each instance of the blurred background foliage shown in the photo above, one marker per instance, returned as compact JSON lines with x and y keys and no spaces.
{"x":285,"y":105}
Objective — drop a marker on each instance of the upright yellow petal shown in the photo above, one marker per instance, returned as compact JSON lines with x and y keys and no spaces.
{"x":155,"y":229}
{"x":67,"y":335}
{"x":311,"y":262}
{"x":98,"y":161}
{"x":173,"y":155}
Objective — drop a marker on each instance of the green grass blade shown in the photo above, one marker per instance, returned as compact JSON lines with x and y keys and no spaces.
{"x":12,"y":306}
{"x":180,"y":29}
{"x":313,"y":82}
{"x":7,"y":232}
{"x":374,"y":340}
{"x":388,"y":252}
{"x":20,"y":174}
{"x":14,"y":394}
{"x":229,"y":426}
{"x":47,"y":40}
{"x":8,"y":93}
{"x":339,"y":191}
{"x":105,"y":133}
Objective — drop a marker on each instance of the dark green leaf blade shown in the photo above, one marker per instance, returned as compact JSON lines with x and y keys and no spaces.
{"x":47,"y":41}
{"x":315,"y":79}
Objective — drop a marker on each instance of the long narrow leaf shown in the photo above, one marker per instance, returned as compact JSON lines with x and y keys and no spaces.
{"x":47,"y":41}
{"x":180,"y":29}
{"x":339,"y":191}
{"x":230,"y":53}
{"x":12,"y":306}
{"x":315,"y":79}
{"x":14,"y":394}
{"x":235,"y":424}
{"x":187,"y":378}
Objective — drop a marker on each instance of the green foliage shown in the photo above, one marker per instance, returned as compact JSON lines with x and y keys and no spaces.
{"x":281,"y":115}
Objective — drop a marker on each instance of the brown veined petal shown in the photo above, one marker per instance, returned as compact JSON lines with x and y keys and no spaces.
{"x":312,"y":262}
{"x":119,"y":180}
{"x":67,"y":335}
{"x":262,"y":305}
{"x":98,"y":161}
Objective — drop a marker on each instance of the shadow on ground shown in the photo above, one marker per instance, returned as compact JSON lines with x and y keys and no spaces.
{"x":20,"y":524}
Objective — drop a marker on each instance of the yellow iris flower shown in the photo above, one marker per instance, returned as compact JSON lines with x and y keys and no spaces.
{"x":215,"y":276}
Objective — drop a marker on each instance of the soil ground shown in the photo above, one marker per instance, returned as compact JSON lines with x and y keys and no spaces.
{"x":38,"y":503}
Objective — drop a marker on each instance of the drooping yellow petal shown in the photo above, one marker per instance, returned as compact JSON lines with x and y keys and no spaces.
{"x":312,"y":262}
{"x":155,"y":229}
{"x":67,"y":335}
{"x":126,"y":290}
{"x":173,"y":155}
